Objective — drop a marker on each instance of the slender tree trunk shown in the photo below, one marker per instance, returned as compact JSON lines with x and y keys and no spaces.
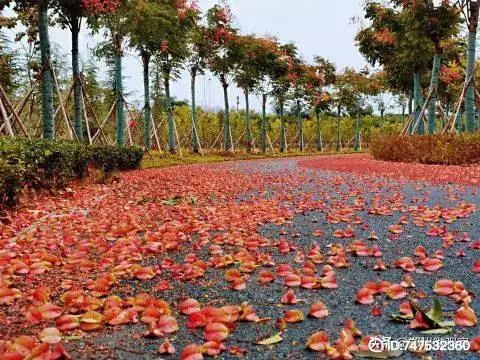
{"x":228,"y":135}
{"x":337,"y":147}
{"x":248,"y":129}
{"x":447,"y":113}
{"x":47,"y":83}
{"x":418,"y":103}
{"x":470,"y":91}
{"x":382,"y":112}
{"x":283,"y":135}
{"x":264,"y":123}
{"x":301,"y":144}
{"x":432,"y":108}
{"x":319,"y":132}
{"x":195,"y":142}
{"x":77,"y":88}
{"x":458,"y":122}
{"x":410,"y":102}
{"x":168,"y":108}
{"x":146,"y":99}
{"x":357,"y":132}
{"x":119,"y":90}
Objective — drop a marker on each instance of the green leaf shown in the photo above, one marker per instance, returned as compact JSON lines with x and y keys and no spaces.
{"x":435,"y":313}
{"x":401,"y":318}
{"x":271,"y":340}
{"x":442,"y":330}
{"x":386,"y":354}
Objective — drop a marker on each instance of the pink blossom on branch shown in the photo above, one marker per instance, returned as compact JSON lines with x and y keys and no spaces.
{"x":100,"y":6}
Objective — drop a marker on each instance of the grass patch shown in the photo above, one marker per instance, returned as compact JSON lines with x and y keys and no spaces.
{"x":156,"y":159}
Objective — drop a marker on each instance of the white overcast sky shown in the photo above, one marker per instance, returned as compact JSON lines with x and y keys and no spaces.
{"x":317,"y":27}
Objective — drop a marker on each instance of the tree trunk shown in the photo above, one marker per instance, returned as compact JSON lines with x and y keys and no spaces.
{"x":146,"y":99}
{"x":301,"y":144}
{"x":77,"y":88}
{"x":410,"y":102}
{"x":119,"y":90}
{"x":458,"y":122}
{"x":168,"y":108}
{"x":283,"y":135}
{"x":447,"y":113}
{"x":432,"y":109}
{"x":195,"y":142}
{"x":264,"y":123}
{"x":337,"y":147}
{"x":226,"y":123}
{"x":319,"y":132}
{"x":357,"y":132}
{"x":470,"y":91}
{"x":418,"y":104}
{"x":248,"y":130}
{"x":382,"y":112}
{"x":48,"y":124}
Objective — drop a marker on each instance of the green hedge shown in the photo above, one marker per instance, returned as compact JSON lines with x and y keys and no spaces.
{"x":46,"y":164}
{"x":445,"y":149}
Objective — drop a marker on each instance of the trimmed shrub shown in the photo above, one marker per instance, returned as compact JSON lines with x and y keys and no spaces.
{"x":444,"y":149}
{"x":47,"y":164}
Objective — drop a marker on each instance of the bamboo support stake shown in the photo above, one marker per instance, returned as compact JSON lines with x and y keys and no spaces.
{"x":154,"y":129}
{"x":95,"y":117}
{"x":71,"y":133}
{"x":422,"y":112}
{"x":271,"y":145}
{"x":5,"y":119}
{"x":215,"y":142}
{"x":89,"y":135}
{"x":176,"y":136}
{"x":104,"y":122}
{"x":14,"y":113}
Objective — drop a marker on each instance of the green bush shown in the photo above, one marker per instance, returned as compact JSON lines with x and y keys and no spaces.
{"x":446,"y":149}
{"x":46,"y":164}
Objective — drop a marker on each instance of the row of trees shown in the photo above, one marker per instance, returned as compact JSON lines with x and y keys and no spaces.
{"x":174,"y":35}
{"x":420,"y":44}
{"x":403,"y":36}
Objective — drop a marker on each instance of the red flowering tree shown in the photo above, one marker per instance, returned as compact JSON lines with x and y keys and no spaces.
{"x":200,"y":48}
{"x":174,"y":51}
{"x":307,"y":81}
{"x":225,"y":56}
{"x":146,"y":20}
{"x":69,"y":14}
{"x":321,"y":99}
{"x":256,"y":71}
{"x":40,"y":30}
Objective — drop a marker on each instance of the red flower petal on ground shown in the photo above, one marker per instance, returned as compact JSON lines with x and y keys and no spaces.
{"x":432,"y":264}
{"x":418,"y":322}
{"x":212,"y":348}
{"x":476,"y":266}
{"x":376,"y":311}
{"x":50,"y":335}
{"x":289,"y":298}
{"x":293,"y":316}
{"x":192,"y":352}
{"x":293,"y":280}
{"x":396,"y":292}
{"x":318,"y":341}
{"x":266,"y":276}
{"x":216,"y":332}
{"x":189,"y":306}
{"x":318,"y":310}
{"x":166,"y":347}
{"x":364,"y":296}
{"x":444,"y":287}
{"x":465,"y":316}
